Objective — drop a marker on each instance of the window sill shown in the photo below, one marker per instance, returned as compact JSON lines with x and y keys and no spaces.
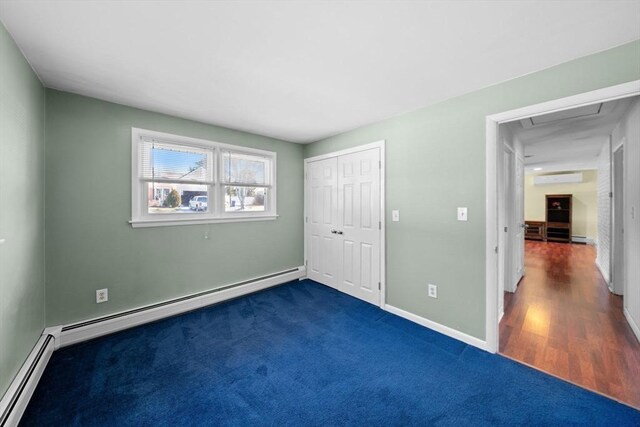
{"x":144,"y":223}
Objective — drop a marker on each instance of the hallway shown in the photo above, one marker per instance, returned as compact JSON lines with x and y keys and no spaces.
{"x":564,"y":321}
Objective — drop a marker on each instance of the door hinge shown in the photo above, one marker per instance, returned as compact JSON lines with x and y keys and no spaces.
{"x":506,"y":229}
{"x":379,"y":286}
{"x":379,"y":164}
{"x":306,"y":219}
{"x":611,"y":194}
{"x":379,"y":225}
{"x":496,"y":249}
{"x":306,"y":263}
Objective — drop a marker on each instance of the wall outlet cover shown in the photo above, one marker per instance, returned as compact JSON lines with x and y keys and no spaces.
{"x":433,"y":291}
{"x":102,"y":295}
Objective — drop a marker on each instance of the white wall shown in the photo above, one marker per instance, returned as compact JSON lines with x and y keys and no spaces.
{"x":603,"y":242}
{"x":629,"y":130}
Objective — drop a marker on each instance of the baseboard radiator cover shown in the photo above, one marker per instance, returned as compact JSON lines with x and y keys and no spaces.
{"x":93,"y":328}
{"x":17,"y":396}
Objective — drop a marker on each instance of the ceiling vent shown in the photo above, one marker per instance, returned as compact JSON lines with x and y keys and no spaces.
{"x":565,"y":178}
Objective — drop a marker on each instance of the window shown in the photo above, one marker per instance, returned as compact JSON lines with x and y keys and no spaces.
{"x":179,"y":180}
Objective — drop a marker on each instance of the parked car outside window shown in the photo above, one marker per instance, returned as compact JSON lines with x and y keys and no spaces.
{"x":198,"y":203}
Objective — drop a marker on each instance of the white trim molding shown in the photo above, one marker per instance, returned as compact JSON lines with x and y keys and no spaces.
{"x":445,"y":330}
{"x":634,"y":326}
{"x":93,"y":328}
{"x":17,"y":396}
{"x":621,"y":91}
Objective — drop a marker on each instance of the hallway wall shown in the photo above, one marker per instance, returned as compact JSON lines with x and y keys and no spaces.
{"x":629,"y":132}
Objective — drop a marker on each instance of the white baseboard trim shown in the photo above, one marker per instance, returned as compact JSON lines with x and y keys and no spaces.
{"x":604,"y":276}
{"x":453,"y":333}
{"x":93,"y":328}
{"x":632,"y":323}
{"x":17,"y":396}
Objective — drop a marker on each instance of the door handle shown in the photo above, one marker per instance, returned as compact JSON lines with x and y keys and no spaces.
{"x":336,"y":232}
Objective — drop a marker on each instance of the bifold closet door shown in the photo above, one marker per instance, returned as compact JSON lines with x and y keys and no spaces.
{"x":322,"y":219}
{"x":343,"y":223}
{"x":359,"y":223}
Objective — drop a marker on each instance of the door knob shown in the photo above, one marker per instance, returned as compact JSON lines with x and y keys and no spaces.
{"x":334,"y":231}
{"x":338,"y":232}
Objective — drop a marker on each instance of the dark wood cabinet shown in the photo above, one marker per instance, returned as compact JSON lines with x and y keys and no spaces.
{"x":558,"y":214}
{"x":535,"y":230}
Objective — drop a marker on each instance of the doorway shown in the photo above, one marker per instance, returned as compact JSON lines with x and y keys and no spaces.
{"x":344,"y":221}
{"x":551,"y":323}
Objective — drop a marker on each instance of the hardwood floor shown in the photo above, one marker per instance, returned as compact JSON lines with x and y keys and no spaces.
{"x":563,"y":320}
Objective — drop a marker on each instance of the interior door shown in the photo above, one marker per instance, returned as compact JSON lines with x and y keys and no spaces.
{"x":506,"y":225}
{"x":359,"y":224}
{"x":617,"y":257}
{"x":343,"y":223}
{"x":519,"y":226}
{"x":322,"y":220}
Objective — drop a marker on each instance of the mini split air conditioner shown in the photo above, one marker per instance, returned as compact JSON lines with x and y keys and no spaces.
{"x":567,"y":178}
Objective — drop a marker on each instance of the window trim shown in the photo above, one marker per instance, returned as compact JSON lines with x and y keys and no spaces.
{"x":216,"y":213}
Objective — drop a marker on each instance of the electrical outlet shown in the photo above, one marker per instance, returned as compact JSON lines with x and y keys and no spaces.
{"x":102,"y":295}
{"x":462,"y":214}
{"x":433,"y":291}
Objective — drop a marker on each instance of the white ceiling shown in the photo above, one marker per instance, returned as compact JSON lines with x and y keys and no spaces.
{"x":569,"y":140}
{"x":302,"y":71}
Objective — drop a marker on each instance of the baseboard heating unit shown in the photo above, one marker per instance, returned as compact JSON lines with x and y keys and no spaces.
{"x":16,"y":398}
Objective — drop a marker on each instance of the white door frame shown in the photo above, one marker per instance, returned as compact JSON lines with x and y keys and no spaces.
{"x":383,"y":259}
{"x":493,"y":151}
{"x":614,"y":264}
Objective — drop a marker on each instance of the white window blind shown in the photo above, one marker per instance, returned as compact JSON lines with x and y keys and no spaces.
{"x":167,"y":162}
{"x":245,"y":169}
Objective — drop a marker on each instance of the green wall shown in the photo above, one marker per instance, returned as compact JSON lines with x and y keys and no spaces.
{"x":435,"y":162}
{"x":91,"y":246}
{"x":22,"y":212}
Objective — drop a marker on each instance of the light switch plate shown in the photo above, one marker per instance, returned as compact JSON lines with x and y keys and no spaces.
{"x":395,"y":216}
{"x":462,"y":214}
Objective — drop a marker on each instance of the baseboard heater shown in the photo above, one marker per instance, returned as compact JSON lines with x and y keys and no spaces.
{"x":581,"y":239}
{"x":99,"y":326}
{"x":17,"y":396}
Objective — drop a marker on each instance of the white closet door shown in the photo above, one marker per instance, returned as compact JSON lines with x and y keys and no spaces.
{"x":359,"y":223}
{"x":343,"y":223}
{"x":322,"y":219}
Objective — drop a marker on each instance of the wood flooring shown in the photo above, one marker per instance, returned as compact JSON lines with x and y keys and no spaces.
{"x":563,"y":320}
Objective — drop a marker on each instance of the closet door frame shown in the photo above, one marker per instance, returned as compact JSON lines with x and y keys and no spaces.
{"x":381,"y":146}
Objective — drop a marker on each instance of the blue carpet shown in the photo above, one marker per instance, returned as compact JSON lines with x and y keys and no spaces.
{"x":301,"y":354}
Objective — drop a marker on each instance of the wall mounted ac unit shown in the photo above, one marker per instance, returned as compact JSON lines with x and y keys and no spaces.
{"x":567,"y":178}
